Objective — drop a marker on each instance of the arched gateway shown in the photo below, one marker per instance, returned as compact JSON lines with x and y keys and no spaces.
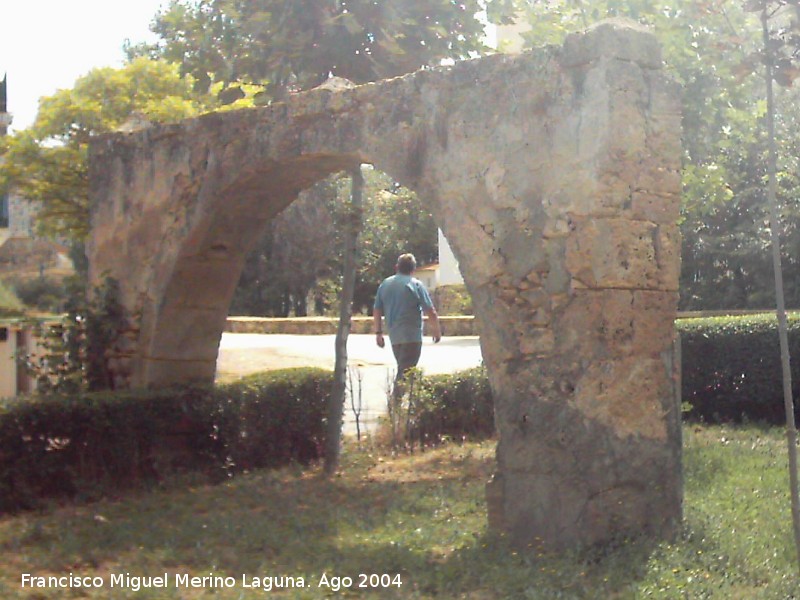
{"x":554,"y":175}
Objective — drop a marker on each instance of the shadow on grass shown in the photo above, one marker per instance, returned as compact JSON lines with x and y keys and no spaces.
{"x":425,"y":523}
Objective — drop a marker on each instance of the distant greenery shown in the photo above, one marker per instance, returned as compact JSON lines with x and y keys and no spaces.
{"x":453,"y":299}
{"x":45,"y":294}
{"x":74,"y":352}
{"x":295,"y":268}
{"x":10,"y":304}
{"x":421,"y":517}
{"x":48,"y":162}
{"x":291,"y":45}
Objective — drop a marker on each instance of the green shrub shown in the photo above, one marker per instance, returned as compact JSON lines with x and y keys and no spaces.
{"x":274,"y":418}
{"x":86,"y":444}
{"x":10,"y":304}
{"x":457,"y":406}
{"x":45,"y":294}
{"x":453,"y":299}
{"x":732,"y":368}
{"x":74,"y":352}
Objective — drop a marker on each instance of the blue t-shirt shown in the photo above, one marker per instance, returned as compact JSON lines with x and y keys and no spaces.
{"x":401,"y":299}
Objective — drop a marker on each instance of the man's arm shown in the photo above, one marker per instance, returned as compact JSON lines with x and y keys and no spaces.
{"x":377,"y":325}
{"x":433,"y":324}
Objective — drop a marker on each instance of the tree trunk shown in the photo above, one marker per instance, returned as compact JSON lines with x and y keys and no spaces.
{"x":791,"y":428}
{"x":300,"y":307}
{"x":336,"y":408}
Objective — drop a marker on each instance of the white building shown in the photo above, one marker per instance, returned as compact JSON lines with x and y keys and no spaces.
{"x":16,"y":335}
{"x":16,"y":339}
{"x":445,"y":272}
{"x":449,"y":273}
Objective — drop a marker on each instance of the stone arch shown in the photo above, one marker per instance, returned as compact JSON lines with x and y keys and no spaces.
{"x":555,"y":177}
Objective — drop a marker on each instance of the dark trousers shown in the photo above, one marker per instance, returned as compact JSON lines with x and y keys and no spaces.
{"x":407,"y":356}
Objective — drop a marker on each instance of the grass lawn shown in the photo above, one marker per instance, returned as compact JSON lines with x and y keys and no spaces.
{"x":418,"y":520}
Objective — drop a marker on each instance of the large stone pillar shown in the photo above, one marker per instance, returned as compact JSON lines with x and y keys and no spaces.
{"x":577,"y":324}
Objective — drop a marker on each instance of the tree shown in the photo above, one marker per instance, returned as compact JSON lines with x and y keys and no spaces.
{"x":289,"y":45}
{"x":47,"y":163}
{"x":396,"y":220}
{"x":280,"y":273}
{"x":351,"y":231}
{"x":780,"y":68}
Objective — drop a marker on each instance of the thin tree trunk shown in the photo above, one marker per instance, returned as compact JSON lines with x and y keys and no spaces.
{"x":791,"y":429}
{"x":336,"y":409}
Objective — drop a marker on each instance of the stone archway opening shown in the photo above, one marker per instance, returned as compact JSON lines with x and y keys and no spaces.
{"x":293,"y":270}
{"x":555,"y":177}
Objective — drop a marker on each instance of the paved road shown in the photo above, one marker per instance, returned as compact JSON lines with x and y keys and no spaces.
{"x":243,"y":353}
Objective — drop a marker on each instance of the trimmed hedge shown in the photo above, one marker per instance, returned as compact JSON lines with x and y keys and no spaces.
{"x":732,"y":367}
{"x":85,"y":445}
{"x":456,"y":407}
{"x":731,"y":372}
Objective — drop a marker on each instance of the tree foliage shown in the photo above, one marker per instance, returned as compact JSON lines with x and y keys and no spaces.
{"x":712,"y":47}
{"x":396,"y":220}
{"x":47,"y":163}
{"x":297,"y":250}
{"x":288,"y":45}
{"x":73,"y":355}
{"x":299,"y":258}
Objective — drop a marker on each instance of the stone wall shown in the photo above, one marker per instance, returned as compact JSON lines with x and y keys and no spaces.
{"x":450,"y":325}
{"x":555,"y":177}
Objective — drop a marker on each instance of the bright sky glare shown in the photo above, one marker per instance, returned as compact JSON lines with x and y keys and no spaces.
{"x":45,"y":45}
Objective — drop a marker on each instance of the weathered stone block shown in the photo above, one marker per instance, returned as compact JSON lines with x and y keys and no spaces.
{"x":615,"y":38}
{"x":625,"y":396}
{"x":597,"y":324}
{"x":661,"y":209}
{"x":668,"y":256}
{"x":653,"y":332}
{"x":538,"y":342}
{"x":613,"y":253}
{"x":658,"y":179}
{"x":664,"y":140}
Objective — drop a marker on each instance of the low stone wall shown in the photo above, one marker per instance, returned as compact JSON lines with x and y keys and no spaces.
{"x":451,"y":325}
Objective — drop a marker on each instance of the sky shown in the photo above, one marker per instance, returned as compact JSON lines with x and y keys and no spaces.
{"x":45,"y":45}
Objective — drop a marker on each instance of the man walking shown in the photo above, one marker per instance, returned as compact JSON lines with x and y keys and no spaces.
{"x":402,"y":299}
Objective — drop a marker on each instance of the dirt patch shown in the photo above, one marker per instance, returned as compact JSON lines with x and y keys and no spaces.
{"x":451,"y":462}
